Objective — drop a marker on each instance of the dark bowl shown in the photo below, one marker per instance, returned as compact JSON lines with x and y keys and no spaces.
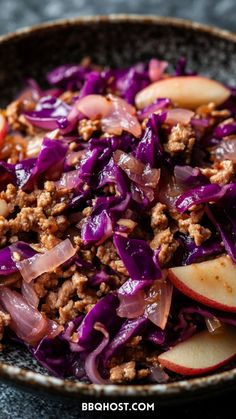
{"x":119,"y":41}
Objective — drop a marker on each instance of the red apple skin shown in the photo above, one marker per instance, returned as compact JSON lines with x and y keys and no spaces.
{"x":180,"y":369}
{"x":198,"y":297}
{"x":3,"y":128}
{"x":201,"y":353}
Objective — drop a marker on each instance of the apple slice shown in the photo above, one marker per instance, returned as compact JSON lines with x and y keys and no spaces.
{"x":3,"y":128}
{"x":184,"y":91}
{"x":202,"y":352}
{"x":212,"y":283}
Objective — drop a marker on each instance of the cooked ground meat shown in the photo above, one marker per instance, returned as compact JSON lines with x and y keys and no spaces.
{"x":4,"y":321}
{"x":221,"y":173}
{"x":86,"y":128}
{"x":180,"y":140}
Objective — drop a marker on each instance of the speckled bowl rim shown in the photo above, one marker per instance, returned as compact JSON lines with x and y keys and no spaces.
{"x":33,"y":380}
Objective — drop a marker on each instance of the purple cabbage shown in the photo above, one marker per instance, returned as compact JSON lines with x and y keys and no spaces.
{"x":149,"y":149}
{"x":98,"y":226}
{"x":128,"y":82}
{"x":49,"y":163}
{"x":50,"y":113}
{"x":100,"y":276}
{"x":180,"y":69}
{"x":199,"y":195}
{"x":55,"y":355}
{"x":226,"y":227}
{"x":194,"y":254}
{"x":189,"y":177}
{"x":68,"y":76}
{"x":156,"y":336}
{"x":94,"y":84}
{"x":7,"y":174}
{"x":103,"y":312}
{"x":224,"y":130}
{"x":131,"y":286}
{"x":138,"y":258}
{"x":7,"y":264}
{"x":128,"y":329}
{"x":158,"y":104}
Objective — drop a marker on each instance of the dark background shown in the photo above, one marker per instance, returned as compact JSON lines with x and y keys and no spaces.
{"x":15,"y":14}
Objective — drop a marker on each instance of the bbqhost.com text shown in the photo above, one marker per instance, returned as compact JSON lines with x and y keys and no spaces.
{"x":118,"y":407}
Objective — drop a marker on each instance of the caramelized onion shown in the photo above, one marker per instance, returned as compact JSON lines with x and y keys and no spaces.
{"x":226,"y":150}
{"x":94,"y":106}
{"x":131,"y":306}
{"x":179,"y":115}
{"x":121,"y":117}
{"x":158,"y":302}
{"x":26,"y":321}
{"x":28,"y":292}
{"x":68,"y":180}
{"x":213,"y":324}
{"x":38,"y":264}
{"x":140,"y":173}
{"x":156,"y":69}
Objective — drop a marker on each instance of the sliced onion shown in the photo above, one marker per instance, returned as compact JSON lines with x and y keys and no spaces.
{"x":169,"y":190}
{"x":68,"y":180}
{"x":178,"y":115}
{"x":121,"y":117}
{"x":3,"y":128}
{"x":54,"y":329}
{"x":115,"y":113}
{"x":26,"y":321}
{"x":94,"y":106}
{"x":140,"y":173}
{"x":131,"y":306}
{"x":158,"y":302}
{"x":213,"y":324}
{"x":157,"y":105}
{"x":91,"y":359}
{"x":226,"y":150}
{"x":156,"y":69}
{"x":34,"y":146}
{"x":74,"y":157}
{"x":29,"y":294}
{"x":40,"y":263}
{"x":158,"y":375}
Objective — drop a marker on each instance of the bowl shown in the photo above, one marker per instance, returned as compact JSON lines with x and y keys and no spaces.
{"x":117,"y":40}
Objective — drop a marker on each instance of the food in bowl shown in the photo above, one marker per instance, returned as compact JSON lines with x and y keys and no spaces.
{"x":117,"y":218}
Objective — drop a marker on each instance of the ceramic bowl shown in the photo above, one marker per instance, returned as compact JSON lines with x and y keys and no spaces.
{"x":112,"y":40}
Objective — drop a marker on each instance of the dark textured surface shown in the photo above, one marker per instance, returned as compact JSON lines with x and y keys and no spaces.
{"x":17,"y":13}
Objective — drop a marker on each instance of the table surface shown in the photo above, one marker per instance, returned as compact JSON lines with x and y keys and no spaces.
{"x":15,"y":404}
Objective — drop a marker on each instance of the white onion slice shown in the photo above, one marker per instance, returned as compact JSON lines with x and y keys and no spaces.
{"x":213,"y":324}
{"x":156,"y":69}
{"x":40,"y":263}
{"x":131,"y":306}
{"x":158,"y":302}
{"x":28,"y":292}
{"x":26,"y":321}
{"x":178,"y":115}
{"x":121,"y":117}
{"x":68,"y":180}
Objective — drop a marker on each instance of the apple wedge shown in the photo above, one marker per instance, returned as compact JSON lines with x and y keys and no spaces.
{"x":201,"y":353}
{"x":212,"y":283}
{"x":184,"y":91}
{"x":3,"y":128}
